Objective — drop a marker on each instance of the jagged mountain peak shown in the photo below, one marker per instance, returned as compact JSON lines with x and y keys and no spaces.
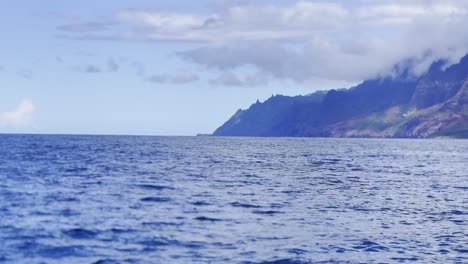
{"x":433,"y":104}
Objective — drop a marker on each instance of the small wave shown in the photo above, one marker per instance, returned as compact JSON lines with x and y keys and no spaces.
{"x":457,"y":212}
{"x":106,"y":261}
{"x":156,"y":242}
{"x":404,"y":260}
{"x":297,"y":251}
{"x":156,"y":199}
{"x":244,"y":205}
{"x":160,"y":224}
{"x":68,"y":213}
{"x":461,"y":250}
{"x":80,"y":233}
{"x":162,"y":242}
{"x":121,"y":231}
{"x":208,"y":219}
{"x":370,"y":246}
{"x":80,"y":169}
{"x":267,"y":212}
{"x":63,"y":252}
{"x":154,"y":187}
{"x":200,"y":203}
{"x":336,"y":249}
{"x":281,"y":261}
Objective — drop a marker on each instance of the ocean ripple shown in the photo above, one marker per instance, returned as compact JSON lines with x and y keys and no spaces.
{"x":122,"y":199}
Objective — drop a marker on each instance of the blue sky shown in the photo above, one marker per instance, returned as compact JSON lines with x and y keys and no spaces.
{"x":184,"y":67}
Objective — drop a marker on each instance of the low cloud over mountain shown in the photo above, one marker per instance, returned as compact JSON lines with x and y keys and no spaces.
{"x":301,"y":40}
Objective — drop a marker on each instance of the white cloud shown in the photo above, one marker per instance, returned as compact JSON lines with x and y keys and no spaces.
{"x":368,"y":42}
{"x":19,"y":118}
{"x":229,"y":78}
{"x":304,"y":40}
{"x":235,"y":23}
{"x":284,"y":22}
{"x":169,"y":23}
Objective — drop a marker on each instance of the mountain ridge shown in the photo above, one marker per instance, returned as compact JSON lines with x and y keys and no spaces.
{"x":432,"y":105}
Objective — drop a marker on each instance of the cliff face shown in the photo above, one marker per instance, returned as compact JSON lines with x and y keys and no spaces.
{"x":433,"y":105}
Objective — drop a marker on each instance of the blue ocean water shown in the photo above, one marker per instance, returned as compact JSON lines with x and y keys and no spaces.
{"x":118,"y":199}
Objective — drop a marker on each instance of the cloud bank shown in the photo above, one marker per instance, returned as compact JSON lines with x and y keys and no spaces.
{"x":302,"y":40}
{"x":19,"y":118}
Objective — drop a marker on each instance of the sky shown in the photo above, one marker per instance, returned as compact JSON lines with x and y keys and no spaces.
{"x":167,"y":67}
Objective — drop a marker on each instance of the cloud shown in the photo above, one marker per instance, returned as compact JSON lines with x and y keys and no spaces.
{"x":431,"y":34}
{"x":92,"y":69}
{"x":21,"y":117}
{"x":245,"y":20}
{"x":303,"y":40}
{"x":111,"y":65}
{"x":249,"y":22}
{"x":231,"y":79}
{"x":178,"y":78}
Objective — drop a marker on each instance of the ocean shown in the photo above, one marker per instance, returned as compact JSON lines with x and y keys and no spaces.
{"x":135,"y":199}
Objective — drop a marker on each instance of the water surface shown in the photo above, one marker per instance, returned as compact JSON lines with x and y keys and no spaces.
{"x":109,"y":199}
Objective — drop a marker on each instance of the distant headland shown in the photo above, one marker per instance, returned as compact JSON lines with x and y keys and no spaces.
{"x":432,"y":105}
